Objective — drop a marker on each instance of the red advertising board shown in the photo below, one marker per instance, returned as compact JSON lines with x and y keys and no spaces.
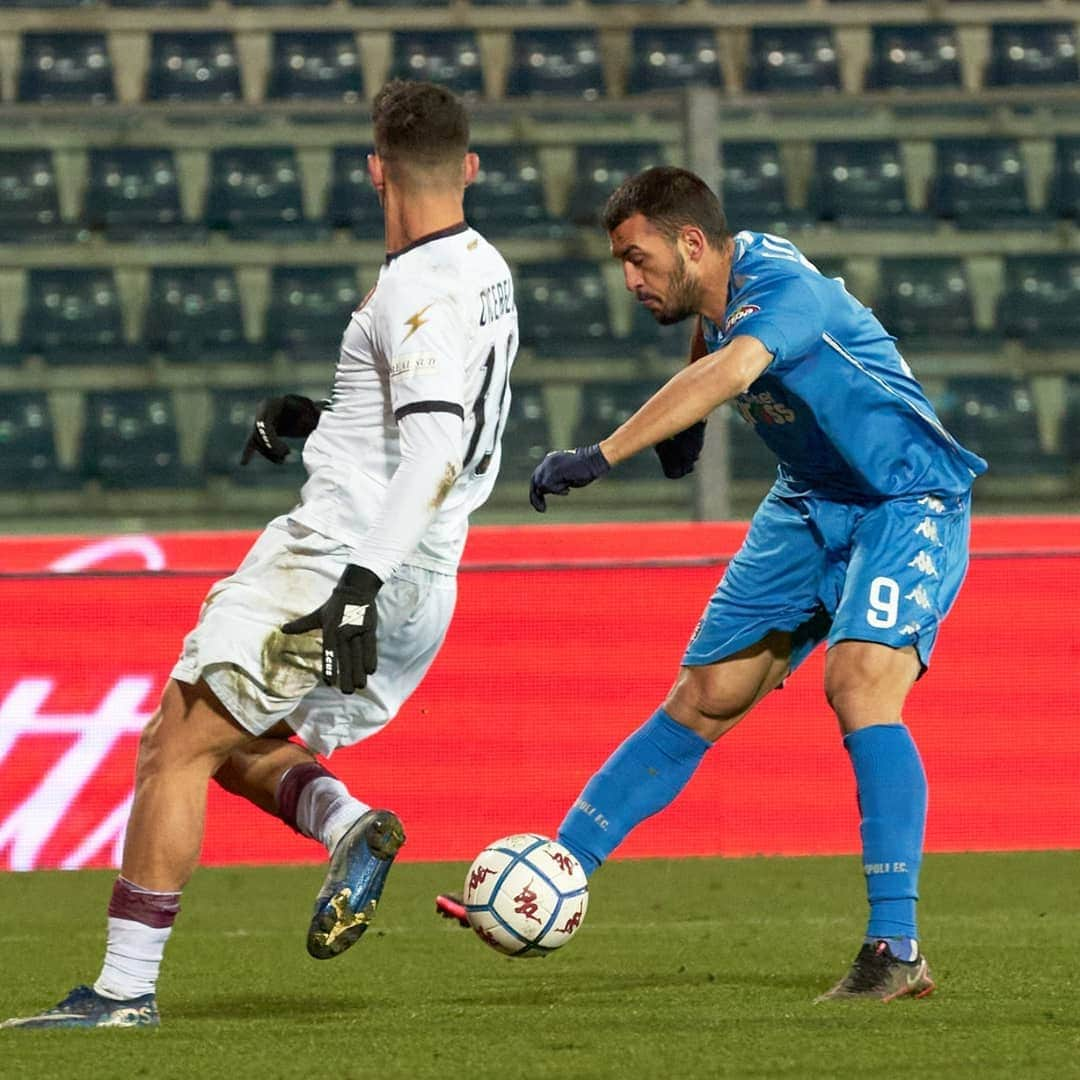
{"x":565,"y":639}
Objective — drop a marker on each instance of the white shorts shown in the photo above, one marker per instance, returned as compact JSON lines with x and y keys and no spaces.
{"x":263,"y":676}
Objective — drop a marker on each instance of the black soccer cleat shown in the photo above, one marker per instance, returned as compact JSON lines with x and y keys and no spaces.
{"x":451,"y":906}
{"x":878,"y":975}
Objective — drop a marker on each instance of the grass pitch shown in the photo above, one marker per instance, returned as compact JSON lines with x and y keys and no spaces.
{"x":691,"y":968}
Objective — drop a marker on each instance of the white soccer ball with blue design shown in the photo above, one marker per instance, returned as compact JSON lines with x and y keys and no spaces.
{"x":526,"y":895}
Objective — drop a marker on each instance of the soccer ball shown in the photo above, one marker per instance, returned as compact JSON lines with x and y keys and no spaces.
{"x":526,"y":895}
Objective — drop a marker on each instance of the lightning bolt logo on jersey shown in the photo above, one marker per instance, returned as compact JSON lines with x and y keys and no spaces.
{"x":838,"y":404}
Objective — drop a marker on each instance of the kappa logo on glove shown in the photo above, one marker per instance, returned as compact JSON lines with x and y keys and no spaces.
{"x":353,"y":615}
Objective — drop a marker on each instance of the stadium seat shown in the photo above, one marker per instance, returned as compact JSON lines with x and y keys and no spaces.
{"x":563,"y":309}
{"x":51,"y":4}
{"x":995,"y":417}
{"x":71,"y":67}
{"x":914,"y":57}
{"x":556,"y":62}
{"x":753,"y":190}
{"x":926,"y":302}
{"x":831,"y":266}
{"x":601,"y":168}
{"x":449,"y":57}
{"x":1029,"y":54}
{"x":194,"y":66}
{"x":232,"y":413}
{"x":316,"y":64}
{"x":501,"y":3}
{"x":309,"y":310}
{"x":787,"y":59}
{"x":352,"y":201}
{"x":28,"y":460}
{"x":159,"y":3}
{"x":980,"y":184}
{"x":507,"y":196}
{"x":666,"y":58}
{"x":1040,"y":302}
{"x":255,"y":192}
{"x":130,"y":439}
{"x":29,"y":206}
{"x":1064,"y":195}
{"x":133,"y":193}
{"x":861,"y":184}
{"x":195,"y":314}
{"x":73,"y":316}
{"x":604,"y":406}
{"x":279,"y":3}
{"x":406,"y":3}
{"x":527,"y":435}
{"x":649,"y":339}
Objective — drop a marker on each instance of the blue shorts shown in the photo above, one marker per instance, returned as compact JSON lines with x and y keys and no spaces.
{"x":831,"y":571}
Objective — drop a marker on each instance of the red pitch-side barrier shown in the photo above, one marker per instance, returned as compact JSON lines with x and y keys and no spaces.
{"x":564,"y":640}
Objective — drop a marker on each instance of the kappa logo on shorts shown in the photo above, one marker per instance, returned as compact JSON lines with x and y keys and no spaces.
{"x":738,"y":315}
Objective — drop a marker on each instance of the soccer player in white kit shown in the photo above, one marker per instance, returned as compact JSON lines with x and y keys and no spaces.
{"x":340,"y":606}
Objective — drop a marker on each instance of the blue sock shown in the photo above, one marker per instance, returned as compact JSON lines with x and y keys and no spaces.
{"x":644,"y":774}
{"x":892,"y":799}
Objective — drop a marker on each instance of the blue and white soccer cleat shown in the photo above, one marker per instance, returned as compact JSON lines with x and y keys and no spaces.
{"x":350,"y":894}
{"x":84,"y":1007}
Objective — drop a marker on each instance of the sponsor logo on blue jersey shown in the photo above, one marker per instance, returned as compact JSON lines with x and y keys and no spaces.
{"x":763,"y":408}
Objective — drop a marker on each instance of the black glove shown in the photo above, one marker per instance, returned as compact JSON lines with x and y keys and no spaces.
{"x":293,"y":416}
{"x":563,"y":469}
{"x":678,"y":454}
{"x":348,"y":621}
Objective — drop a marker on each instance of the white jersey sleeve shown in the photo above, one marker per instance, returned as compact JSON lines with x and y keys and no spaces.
{"x":423,"y":335}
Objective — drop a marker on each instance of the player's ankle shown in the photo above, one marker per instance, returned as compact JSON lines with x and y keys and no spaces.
{"x":140,"y":922}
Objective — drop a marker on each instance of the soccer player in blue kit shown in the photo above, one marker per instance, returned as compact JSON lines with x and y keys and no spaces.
{"x":862,"y":542}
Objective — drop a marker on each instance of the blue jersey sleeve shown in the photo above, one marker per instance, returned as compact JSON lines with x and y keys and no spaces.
{"x":784,"y":313}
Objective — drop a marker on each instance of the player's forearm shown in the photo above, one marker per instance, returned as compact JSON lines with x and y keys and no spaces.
{"x":431,"y":462}
{"x":686,"y":398}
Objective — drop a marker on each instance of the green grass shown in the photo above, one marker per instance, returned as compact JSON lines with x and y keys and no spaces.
{"x":691,"y":968}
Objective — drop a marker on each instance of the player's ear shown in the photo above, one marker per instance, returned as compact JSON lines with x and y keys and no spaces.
{"x":375,"y":171}
{"x":472,"y":167}
{"x":692,"y":240}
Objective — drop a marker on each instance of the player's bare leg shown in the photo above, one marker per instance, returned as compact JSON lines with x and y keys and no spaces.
{"x":183,"y":745}
{"x":284,"y":779}
{"x":712,"y":698}
{"x":655,"y":762}
{"x":653,"y":765}
{"x":866,"y":684}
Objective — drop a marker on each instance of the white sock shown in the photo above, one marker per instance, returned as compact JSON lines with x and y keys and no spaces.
{"x":325,"y":810}
{"x":132,"y":959}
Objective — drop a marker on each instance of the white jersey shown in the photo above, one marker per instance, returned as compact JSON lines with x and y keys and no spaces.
{"x":408,"y":446}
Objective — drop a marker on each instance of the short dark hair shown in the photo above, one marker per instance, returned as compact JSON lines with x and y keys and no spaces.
{"x":419,"y":124}
{"x":670,"y":199}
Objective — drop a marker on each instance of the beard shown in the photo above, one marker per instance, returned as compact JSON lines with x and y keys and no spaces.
{"x":683,"y":296}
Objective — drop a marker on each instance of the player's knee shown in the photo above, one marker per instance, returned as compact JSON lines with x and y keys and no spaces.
{"x":708,"y":705}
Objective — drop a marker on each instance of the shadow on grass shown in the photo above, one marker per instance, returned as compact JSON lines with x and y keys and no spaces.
{"x":596,"y":988}
{"x":247,"y":1007}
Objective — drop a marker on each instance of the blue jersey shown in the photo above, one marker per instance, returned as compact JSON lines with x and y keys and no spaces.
{"x":838,"y":404}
